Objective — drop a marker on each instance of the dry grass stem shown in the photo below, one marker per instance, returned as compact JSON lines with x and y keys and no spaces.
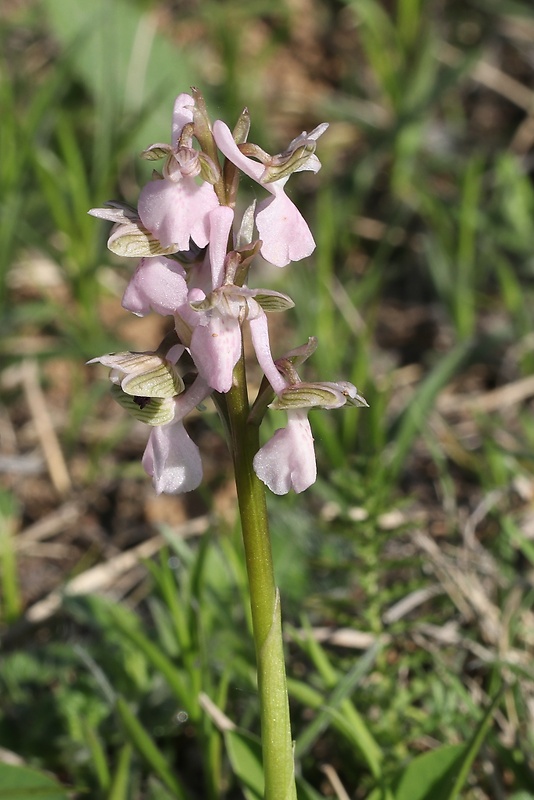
{"x":44,"y":428}
{"x":103,"y":576}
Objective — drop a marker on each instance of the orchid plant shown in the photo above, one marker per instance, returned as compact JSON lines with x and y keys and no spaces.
{"x":195,"y":259}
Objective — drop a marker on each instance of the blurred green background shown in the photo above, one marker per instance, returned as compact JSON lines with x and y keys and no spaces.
{"x":407,"y":571}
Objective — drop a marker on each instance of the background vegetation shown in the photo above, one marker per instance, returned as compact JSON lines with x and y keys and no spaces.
{"x":406,"y":573}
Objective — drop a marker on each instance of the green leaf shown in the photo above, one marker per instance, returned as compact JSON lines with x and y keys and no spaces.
{"x":123,"y":60}
{"x":98,"y":755}
{"x":338,"y":709}
{"x":244,"y":752}
{"x":442,"y":773}
{"x":22,"y":783}
{"x":431,"y":775}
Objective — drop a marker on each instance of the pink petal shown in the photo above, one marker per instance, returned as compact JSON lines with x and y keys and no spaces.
{"x":220,"y":225}
{"x":259,"y":332}
{"x":158,"y":284}
{"x":226,"y":144}
{"x":172,"y":459}
{"x":283,"y":230}
{"x":174,"y":211}
{"x":216,"y":349}
{"x":287,"y":461}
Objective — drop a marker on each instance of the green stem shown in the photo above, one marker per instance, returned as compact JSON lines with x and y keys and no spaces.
{"x":277,"y":745}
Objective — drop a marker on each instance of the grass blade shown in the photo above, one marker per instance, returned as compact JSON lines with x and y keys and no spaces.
{"x":147,"y":748}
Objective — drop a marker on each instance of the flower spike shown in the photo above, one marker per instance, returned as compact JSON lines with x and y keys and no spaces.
{"x":195,"y":260}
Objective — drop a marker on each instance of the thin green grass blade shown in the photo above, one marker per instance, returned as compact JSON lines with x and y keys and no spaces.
{"x":147,"y":748}
{"x":12,"y":600}
{"x":471,"y":751}
{"x":350,"y":722}
{"x":121,"y":779}
{"x":99,"y":761}
{"x":360,"y":733}
{"x":409,"y":21}
{"x":174,"y":600}
{"x":159,"y":660}
{"x":414,"y":417}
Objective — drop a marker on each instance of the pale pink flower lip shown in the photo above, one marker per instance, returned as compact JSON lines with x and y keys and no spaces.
{"x":171,"y":458}
{"x":216,"y":348}
{"x":287,"y":461}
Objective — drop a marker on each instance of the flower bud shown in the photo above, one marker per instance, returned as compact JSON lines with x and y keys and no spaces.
{"x":156,"y":152}
{"x":242,"y":127}
{"x":209,"y":170}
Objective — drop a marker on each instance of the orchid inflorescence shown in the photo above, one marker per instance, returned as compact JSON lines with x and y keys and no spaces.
{"x":194,"y":264}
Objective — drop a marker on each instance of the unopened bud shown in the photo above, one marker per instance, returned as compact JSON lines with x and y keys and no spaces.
{"x":242,"y":127}
{"x":156,"y":151}
{"x":209,"y":170}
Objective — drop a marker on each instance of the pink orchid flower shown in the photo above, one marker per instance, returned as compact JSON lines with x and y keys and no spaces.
{"x":176,"y":208}
{"x":283,"y":230}
{"x":287,"y":460}
{"x":216,"y":342}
